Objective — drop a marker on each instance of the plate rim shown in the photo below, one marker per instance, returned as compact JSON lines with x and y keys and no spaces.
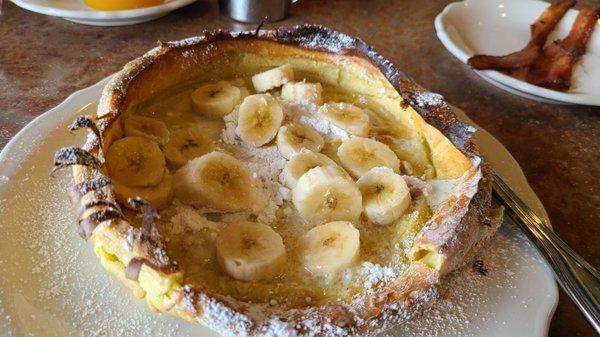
{"x":90,"y":14}
{"x":79,"y":100}
{"x":462,"y":55}
{"x":520,"y":93}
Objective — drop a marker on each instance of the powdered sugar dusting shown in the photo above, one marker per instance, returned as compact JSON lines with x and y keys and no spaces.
{"x":429,"y":99}
{"x":376,"y":275}
{"x":472,"y":303}
{"x":53,"y":284}
{"x":332,"y":41}
{"x":225,"y":320}
{"x":187,"y":218}
{"x":265,"y":163}
{"x":307,"y":113}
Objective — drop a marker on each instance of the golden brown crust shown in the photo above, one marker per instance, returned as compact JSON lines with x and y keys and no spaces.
{"x":451,"y":149}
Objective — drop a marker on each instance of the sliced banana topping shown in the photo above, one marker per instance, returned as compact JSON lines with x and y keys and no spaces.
{"x":135,"y":162}
{"x":147,"y":127}
{"x":259,"y":119}
{"x":358,"y":155}
{"x":329,"y":248}
{"x":301,"y":163}
{"x":250,"y":251}
{"x":244,"y":92}
{"x":217,"y":181}
{"x":348,"y":117}
{"x":240,"y":83}
{"x":325,"y":194}
{"x":186,"y":144}
{"x":216,"y":99}
{"x":330,"y":149}
{"x":159,"y":196}
{"x":302,"y":92}
{"x":273,"y":78}
{"x":211,"y":128}
{"x":291,"y":139}
{"x":385,"y":195}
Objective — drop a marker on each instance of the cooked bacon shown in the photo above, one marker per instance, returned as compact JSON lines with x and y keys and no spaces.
{"x":553,"y":68}
{"x":540,"y":30}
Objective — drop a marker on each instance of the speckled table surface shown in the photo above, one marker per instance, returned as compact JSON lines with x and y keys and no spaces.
{"x":43,"y":59}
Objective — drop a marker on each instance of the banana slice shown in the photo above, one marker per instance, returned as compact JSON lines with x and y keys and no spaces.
{"x":301,"y":163}
{"x":291,"y":139}
{"x":159,"y":196}
{"x":240,"y":83}
{"x":330,"y":149}
{"x":273,"y":78}
{"x":329,"y":248}
{"x":250,"y":251}
{"x":217,"y":181}
{"x":324,"y":194}
{"x":348,"y":117}
{"x":385,"y":195}
{"x":147,"y":127}
{"x":302,"y":92}
{"x":186,"y":144}
{"x":358,"y":155}
{"x":244,"y":92}
{"x":211,"y":128}
{"x":216,"y":99}
{"x":135,"y":162}
{"x":259,"y":119}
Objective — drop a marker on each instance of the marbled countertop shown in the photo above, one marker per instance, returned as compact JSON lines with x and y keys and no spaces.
{"x":43,"y":59}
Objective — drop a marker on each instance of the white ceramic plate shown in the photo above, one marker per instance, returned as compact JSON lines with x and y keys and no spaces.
{"x":51,"y":284}
{"x":521,"y":93}
{"x":499,"y":27}
{"x":77,"y":11}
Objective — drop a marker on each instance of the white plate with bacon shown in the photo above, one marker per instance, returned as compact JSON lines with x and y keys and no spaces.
{"x":548,"y":52}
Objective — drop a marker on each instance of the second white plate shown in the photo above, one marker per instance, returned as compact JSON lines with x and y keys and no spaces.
{"x":499,"y":27}
{"x":77,"y":11}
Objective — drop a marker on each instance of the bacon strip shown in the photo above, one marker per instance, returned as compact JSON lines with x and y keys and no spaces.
{"x":540,"y":30}
{"x":553,"y":68}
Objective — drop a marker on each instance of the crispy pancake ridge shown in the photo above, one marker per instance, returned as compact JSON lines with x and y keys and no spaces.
{"x":460,"y":224}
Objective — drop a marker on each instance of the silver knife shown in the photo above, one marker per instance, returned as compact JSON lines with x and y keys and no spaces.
{"x":579,"y":279}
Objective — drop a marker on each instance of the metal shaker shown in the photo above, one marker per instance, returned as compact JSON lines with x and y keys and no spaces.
{"x":254,"y":11}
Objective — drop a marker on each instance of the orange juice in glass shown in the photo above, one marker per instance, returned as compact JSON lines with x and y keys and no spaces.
{"x":115,"y":5}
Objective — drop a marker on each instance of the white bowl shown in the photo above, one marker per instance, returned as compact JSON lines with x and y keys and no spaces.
{"x":499,"y":27}
{"x":77,"y":11}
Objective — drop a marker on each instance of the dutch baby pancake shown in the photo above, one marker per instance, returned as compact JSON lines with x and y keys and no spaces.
{"x":284,"y":182}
